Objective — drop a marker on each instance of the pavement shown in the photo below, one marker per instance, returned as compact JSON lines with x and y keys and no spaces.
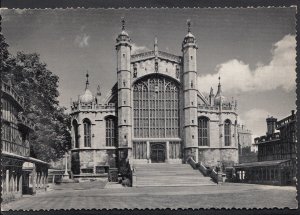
{"x":228,"y":195}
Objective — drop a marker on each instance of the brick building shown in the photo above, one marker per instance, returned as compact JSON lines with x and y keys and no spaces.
{"x":154,"y":113}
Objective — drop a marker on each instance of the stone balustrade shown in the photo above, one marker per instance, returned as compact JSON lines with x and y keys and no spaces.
{"x":216,"y":108}
{"x":92,"y":106}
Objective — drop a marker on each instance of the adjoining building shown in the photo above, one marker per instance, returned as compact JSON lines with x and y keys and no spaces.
{"x":276,"y":155}
{"x":153,"y":114}
{"x":244,"y":138}
{"x":21,"y":174}
{"x":246,"y":154}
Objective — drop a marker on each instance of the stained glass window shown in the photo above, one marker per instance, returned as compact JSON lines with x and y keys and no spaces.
{"x":156,"y":108}
{"x":203,"y":131}
{"x":227,"y":132}
{"x":110,"y":131}
{"x":87,"y":132}
{"x":76,"y":136}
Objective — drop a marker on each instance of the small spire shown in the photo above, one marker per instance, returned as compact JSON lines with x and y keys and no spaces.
{"x":211,"y":91}
{"x":189,"y":25}
{"x":87,"y":80}
{"x":155,"y":47}
{"x":219,"y":86}
{"x":98,"y":91}
{"x":123,"y":23}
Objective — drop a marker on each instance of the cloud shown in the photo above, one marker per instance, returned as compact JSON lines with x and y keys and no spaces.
{"x":255,"y":121}
{"x":135,"y":49}
{"x":237,"y":76}
{"x":82,"y":40}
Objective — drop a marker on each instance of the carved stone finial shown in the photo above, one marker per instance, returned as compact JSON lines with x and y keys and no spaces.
{"x":123,"y":23}
{"x":189,"y":25}
{"x":87,"y":80}
{"x":98,"y":90}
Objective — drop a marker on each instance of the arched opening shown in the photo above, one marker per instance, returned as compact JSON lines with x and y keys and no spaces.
{"x":227,"y":132}
{"x":156,"y":107}
{"x":111,"y":131}
{"x":203,"y":131}
{"x":76,"y":135}
{"x":87,"y":132}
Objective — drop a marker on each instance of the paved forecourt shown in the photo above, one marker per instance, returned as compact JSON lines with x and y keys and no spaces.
{"x":218,"y":196}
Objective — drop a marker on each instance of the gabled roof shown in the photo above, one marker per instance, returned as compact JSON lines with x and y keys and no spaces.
{"x":151,"y":54}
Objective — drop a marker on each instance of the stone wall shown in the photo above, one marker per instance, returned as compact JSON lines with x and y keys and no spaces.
{"x":210,"y":157}
{"x":83,"y":159}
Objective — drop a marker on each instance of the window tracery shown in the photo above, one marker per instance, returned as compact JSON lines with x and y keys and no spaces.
{"x":203,"y":131}
{"x":110,"y":131}
{"x":227,"y":132}
{"x":156,"y":108}
{"x":87,"y":132}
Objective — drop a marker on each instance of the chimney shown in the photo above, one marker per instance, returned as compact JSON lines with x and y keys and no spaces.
{"x":271,"y":125}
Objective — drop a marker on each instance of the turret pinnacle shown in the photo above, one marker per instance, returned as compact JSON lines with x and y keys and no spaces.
{"x":123,"y":23}
{"x":87,"y":80}
{"x":189,"y":25}
{"x":219,"y":87}
{"x":211,"y":91}
{"x":155,"y":45}
{"x":123,"y":37}
{"x":98,"y":91}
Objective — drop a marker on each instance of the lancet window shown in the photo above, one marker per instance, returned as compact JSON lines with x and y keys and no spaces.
{"x":203,"y":131}
{"x":227,"y":132}
{"x":110,"y":131}
{"x":87,"y":132}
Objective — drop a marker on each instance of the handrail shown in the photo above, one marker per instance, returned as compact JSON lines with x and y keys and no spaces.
{"x":203,"y":169}
{"x":214,"y":175}
{"x":193,"y":163}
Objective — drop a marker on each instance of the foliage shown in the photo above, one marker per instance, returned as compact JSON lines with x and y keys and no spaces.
{"x":39,"y":87}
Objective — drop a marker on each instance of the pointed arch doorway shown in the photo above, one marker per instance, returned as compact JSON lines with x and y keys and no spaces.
{"x":158,"y":152}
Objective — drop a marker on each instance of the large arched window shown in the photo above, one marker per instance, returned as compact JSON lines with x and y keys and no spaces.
{"x":227,"y":132}
{"x":110,"y":123}
{"x":87,"y":132}
{"x":203,"y":131}
{"x":76,"y":136}
{"x":156,"y":108}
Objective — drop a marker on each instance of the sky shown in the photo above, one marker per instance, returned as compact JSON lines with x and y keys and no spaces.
{"x":253,"y":50}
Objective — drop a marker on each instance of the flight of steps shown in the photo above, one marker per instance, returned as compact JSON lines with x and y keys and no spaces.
{"x":162,"y":174}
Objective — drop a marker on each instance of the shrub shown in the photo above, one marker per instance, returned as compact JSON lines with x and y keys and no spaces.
{"x":126,"y":182}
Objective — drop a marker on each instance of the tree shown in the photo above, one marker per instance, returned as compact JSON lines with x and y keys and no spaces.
{"x":39,"y":88}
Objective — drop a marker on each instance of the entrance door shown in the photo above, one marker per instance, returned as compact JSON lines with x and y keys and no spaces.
{"x":25,"y":182}
{"x":158,"y":152}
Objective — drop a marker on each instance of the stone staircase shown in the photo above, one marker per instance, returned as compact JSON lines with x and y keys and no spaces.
{"x":162,"y":174}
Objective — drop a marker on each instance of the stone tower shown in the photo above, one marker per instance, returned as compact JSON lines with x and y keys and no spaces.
{"x":123,"y":47}
{"x":189,"y":49}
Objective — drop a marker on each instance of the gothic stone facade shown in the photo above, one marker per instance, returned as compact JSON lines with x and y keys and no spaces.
{"x":154,"y":113}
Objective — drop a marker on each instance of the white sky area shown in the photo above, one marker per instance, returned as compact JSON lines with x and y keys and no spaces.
{"x":253,"y":50}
